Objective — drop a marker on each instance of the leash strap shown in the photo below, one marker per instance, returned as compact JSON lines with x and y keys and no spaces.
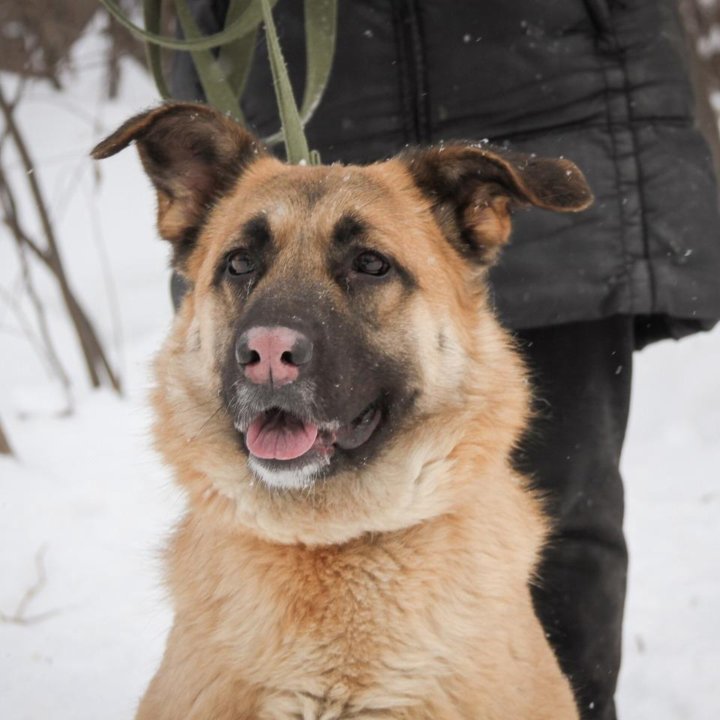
{"x":242,"y":26}
{"x":295,"y":140}
{"x":320,"y":39}
{"x":151,"y":15}
{"x":215,"y":84}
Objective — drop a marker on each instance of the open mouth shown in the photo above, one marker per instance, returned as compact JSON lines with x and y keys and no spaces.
{"x":279,"y":435}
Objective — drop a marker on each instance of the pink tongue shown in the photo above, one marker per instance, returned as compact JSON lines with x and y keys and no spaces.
{"x":280,"y":437}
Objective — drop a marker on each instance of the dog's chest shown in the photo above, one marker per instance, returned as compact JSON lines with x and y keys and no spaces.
{"x":334,"y":634}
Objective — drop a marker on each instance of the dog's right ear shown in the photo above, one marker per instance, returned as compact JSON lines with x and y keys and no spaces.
{"x":193,"y":154}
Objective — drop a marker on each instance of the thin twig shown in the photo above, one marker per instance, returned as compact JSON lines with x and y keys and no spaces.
{"x":41,"y":319}
{"x":20,"y":616}
{"x":92,"y":350}
{"x":109,"y":281}
{"x":12,"y":104}
{"x":9,"y":205}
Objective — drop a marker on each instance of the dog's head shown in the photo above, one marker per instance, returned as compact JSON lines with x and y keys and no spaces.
{"x":335,"y":340}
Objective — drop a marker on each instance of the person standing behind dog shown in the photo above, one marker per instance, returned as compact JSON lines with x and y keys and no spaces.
{"x":603,"y":83}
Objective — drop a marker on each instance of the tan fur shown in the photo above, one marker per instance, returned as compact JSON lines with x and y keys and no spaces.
{"x":397,"y":591}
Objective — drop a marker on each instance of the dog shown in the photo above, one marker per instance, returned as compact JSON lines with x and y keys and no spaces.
{"x":340,"y":405}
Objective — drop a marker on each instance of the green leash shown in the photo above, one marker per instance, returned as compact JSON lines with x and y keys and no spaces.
{"x":223,"y":78}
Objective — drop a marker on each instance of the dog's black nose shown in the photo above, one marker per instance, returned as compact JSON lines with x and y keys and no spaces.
{"x":273,"y":355}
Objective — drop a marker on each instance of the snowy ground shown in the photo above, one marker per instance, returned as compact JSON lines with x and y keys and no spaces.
{"x":88,"y":503}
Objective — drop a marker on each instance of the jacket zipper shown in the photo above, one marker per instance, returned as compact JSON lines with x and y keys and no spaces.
{"x":411,"y":57}
{"x":599,"y":11}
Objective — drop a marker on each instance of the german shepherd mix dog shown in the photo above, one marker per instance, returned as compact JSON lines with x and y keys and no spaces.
{"x":339,"y":403}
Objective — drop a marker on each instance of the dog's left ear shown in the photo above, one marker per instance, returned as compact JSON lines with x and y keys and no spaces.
{"x":473,"y":188}
{"x":193,"y":154}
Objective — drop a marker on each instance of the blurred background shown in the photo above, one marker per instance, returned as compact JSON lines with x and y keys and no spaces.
{"x":84,"y":303}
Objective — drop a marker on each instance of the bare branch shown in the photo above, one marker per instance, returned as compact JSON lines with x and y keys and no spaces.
{"x":96,"y":360}
{"x":20,"y":616}
{"x":40,"y":35}
{"x":9,"y":206}
{"x":51,"y":352}
{"x":121,"y":43}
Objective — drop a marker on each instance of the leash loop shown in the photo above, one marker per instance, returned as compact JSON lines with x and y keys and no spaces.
{"x":223,"y":75}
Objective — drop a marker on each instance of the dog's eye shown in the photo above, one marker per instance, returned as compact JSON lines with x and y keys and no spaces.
{"x":371,"y":263}
{"x":240,"y":263}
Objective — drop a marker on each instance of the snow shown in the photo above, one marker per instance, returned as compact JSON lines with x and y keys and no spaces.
{"x":88,"y":499}
{"x":671,"y":469}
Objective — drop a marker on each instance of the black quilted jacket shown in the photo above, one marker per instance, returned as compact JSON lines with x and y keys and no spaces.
{"x":601,"y":82}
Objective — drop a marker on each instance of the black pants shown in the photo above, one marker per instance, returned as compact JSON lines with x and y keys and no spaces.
{"x":581,"y":374}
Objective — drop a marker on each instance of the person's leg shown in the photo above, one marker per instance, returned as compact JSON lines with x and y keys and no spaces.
{"x":581,"y":375}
